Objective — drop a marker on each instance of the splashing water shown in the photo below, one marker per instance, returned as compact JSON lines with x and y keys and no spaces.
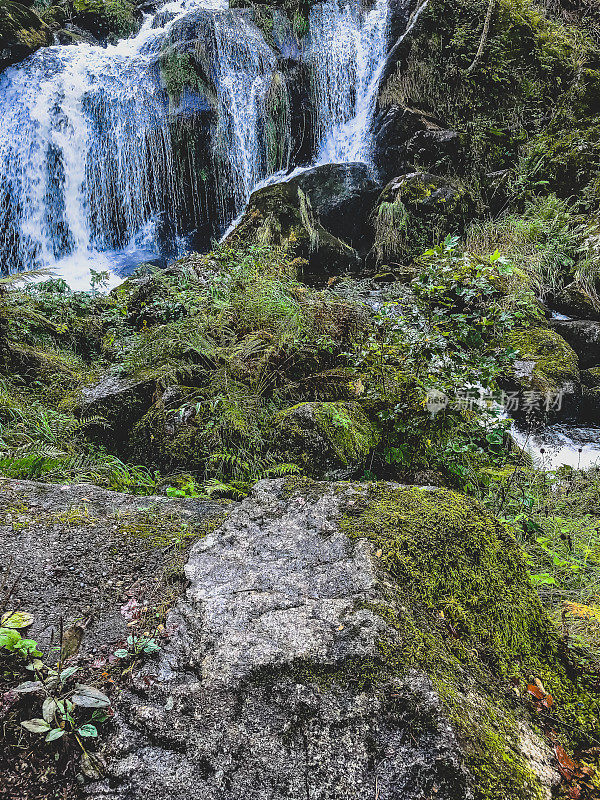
{"x":86,"y":153}
{"x":348,"y":53}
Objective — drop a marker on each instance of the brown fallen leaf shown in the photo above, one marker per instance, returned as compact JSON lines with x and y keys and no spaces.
{"x":535,"y":691}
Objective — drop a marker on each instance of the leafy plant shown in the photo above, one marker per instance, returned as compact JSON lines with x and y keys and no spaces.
{"x":65,"y":709}
{"x":138,"y":645}
{"x":12,"y":642}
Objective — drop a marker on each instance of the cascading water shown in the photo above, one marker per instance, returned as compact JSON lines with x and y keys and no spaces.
{"x":348,"y":54}
{"x":86,"y":147}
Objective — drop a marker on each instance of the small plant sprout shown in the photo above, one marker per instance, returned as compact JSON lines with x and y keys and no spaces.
{"x":66,"y":709}
{"x":136,"y":644}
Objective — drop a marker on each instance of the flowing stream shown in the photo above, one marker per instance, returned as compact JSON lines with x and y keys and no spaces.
{"x":86,"y":147}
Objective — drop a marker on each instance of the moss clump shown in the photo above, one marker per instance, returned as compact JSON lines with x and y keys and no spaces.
{"x":556,"y":362}
{"x":159,"y":441}
{"x":180,"y":72}
{"x":415,"y":210}
{"x":450,"y":558}
{"x":107,"y":18}
{"x":21,"y":32}
{"x":321,"y":435}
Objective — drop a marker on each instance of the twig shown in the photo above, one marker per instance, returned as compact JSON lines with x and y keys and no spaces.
{"x":484,"y":37}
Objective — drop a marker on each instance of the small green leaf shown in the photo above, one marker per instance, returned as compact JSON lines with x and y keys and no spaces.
{"x":121,"y":653}
{"x":66,"y":673}
{"x":88,"y":730}
{"x":36,"y":725}
{"x":55,"y":733}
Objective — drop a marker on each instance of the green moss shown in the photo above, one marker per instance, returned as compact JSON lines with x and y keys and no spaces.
{"x":490,"y":735}
{"x":156,"y":443}
{"x":566,"y":160}
{"x":103,"y":18}
{"x":415,"y":211}
{"x":321,"y":433}
{"x":179,"y":71}
{"x":453,"y":560}
{"x":347,"y":429}
{"x":159,"y":528}
{"x":555,"y":361}
{"x":21,"y":31}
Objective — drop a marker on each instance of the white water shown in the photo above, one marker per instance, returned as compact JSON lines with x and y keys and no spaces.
{"x":348,"y":54}
{"x":86,"y":164}
{"x":561,"y":444}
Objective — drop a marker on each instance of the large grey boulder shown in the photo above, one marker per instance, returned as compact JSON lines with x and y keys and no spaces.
{"x":321,"y":216}
{"x":278,"y":681}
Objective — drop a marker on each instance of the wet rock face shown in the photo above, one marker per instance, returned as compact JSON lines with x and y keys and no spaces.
{"x":322,"y":215}
{"x":228,"y":717}
{"x":405,"y":137}
{"x":584,"y":337}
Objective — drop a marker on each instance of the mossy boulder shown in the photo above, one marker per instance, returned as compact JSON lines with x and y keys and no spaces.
{"x":546,"y":368}
{"x":320,"y":216}
{"x":576,"y":302}
{"x":415,"y":209}
{"x":107,"y":19}
{"x":324,"y":437}
{"x":168,"y":440}
{"x":21,"y":32}
{"x":384,"y":633}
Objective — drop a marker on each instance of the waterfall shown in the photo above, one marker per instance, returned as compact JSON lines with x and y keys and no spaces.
{"x":87,"y":176}
{"x":244,"y":66}
{"x":348,"y":52}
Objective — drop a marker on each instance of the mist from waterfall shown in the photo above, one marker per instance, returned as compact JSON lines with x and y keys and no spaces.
{"x":86,"y":151}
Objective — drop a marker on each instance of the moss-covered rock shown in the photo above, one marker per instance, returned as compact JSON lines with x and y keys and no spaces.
{"x":117,"y":403}
{"x":576,"y":302}
{"x":379,"y":630}
{"x":452,"y":564}
{"x":107,"y":19}
{"x":21,"y":32}
{"x":583,"y":336}
{"x":322,"y":437}
{"x":415,"y":210}
{"x":590,"y":378}
{"x":533,"y":67}
{"x":546,"y":366}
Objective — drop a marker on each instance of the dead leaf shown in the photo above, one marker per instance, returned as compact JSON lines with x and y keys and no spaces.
{"x":535,"y":691}
{"x":566,"y":764}
{"x":548,"y":701}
